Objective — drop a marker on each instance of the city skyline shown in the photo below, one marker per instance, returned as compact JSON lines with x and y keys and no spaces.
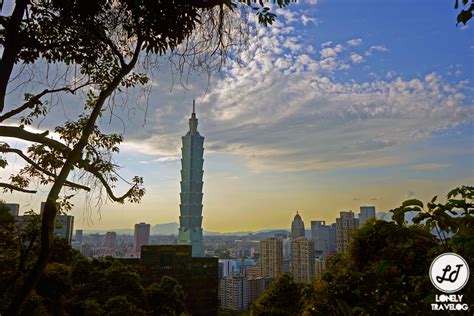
{"x":318,"y":118}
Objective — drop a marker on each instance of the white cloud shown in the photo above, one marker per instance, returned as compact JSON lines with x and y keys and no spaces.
{"x":328,"y":52}
{"x":280,"y":108}
{"x":306,"y":20}
{"x":329,"y":43}
{"x":168,"y":159}
{"x":376,"y":48}
{"x":431,"y":166}
{"x":354,"y":42}
{"x":356,"y":58}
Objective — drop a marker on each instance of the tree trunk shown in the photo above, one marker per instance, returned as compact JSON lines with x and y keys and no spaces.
{"x":11,"y":47}
{"x":50,"y":208}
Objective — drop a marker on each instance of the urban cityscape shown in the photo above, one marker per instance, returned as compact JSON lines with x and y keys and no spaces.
{"x":228,"y":157}
{"x":246,"y":265}
{"x":237,"y":269}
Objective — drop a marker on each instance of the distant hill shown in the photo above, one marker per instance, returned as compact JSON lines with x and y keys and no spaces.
{"x":172,"y":229}
{"x":269,"y":233}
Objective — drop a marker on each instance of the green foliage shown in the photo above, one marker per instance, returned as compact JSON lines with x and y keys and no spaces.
{"x":283,"y":297}
{"x":465,"y":12}
{"x":121,"y":305}
{"x":165,"y":298}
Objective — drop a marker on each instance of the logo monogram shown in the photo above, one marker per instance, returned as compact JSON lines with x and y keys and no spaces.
{"x":449,"y":272}
{"x":453,"y":276}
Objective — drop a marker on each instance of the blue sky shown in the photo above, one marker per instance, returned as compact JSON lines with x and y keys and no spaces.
{"x":337,"y":105}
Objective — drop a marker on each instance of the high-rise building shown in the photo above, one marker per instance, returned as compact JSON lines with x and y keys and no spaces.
{"x":302,"y":260}
{"x":110,"y":240}
{"x":253,"y":272}
{"x":297,"y":227}
{"x":64,"y":225}
{"x":366,"y":212}
{"x":271,"y":257}
{"x":197,"y":276}
{"x":234,"y":291}
{"x":78,"y":237}
{"x":286,"y":264}
{"x":86,"y":250}
{"x":141,"y":236}
{"x":257,"y":286}
{"x":346,"y":225}
{"x":14,"y":208}
{"x":332,"y":239}
{"x":322,"y":236}
{"x":319,"y":266}
{"x":190,"y":220}
{"x":286,"y":247}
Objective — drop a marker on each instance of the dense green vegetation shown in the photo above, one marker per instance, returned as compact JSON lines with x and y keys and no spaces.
{"x":74,"y":285}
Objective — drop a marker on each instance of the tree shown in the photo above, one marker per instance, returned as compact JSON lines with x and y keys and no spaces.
{"x":283,"y":297}
{"x":106,"y":41}
{"x":465,"y":12}
{"x":166,"y":297}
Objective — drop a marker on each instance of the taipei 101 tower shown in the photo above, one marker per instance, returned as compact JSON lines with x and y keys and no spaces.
{"x":190,"y":221}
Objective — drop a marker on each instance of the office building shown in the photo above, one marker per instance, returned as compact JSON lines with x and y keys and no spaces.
{"x":324,"y":238}
{"x":64,"y":225}
{"x":319,"y":266}
{"x":346,"y":225}
{"x":110,"y":240}
{"x":286,"y":264}
{"x":190,"y":220}
{"x":141,"y":236}
{"x":286,"y":247}
{"x":271,"y":257}
{"x":234,"y":292}
{"x":78,"y":237}
{"x":86,"y":250}
{"x":366,"y":213}
{"x":253,"y":272}
{"x":197,"y":276}
{"x":297,"y":227}
{"x":14,"y":208}
{"x":302,"y":260}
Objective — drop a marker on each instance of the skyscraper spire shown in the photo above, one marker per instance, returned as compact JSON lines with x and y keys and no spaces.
{"x":190,"y":228}
{"x":193,"y":122}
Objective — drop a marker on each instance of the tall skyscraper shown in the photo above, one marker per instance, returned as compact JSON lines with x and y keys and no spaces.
{"x":323,"y":236}
{"x":302,"y":260}
{"x":297,"y":227}
{"x":346,"y":225}
{"x":190,"y":221}
{"x":271,"y":257}
{"x":110,"y":240}
{"x":366,"y":212}
{"x":141,"y":236}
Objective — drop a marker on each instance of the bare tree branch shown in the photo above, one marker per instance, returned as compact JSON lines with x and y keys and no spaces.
{"x":68,"y":183}
{"x":33,"y":100}
{"x":8,"y":186}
